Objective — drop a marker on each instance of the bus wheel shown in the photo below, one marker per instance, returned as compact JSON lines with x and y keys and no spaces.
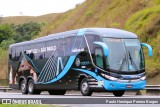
{"x":24,"y":87}
{"x":84,"y":87}
{"x":118,"y":93}
{"x":57,"y":92}
{"x":31,"y":89}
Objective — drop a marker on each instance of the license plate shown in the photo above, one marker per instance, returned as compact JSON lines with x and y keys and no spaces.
{"x":129,"y":86}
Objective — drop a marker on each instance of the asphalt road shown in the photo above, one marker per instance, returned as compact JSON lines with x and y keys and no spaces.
{"x":96,"y":96}
{"x":74,"y":95}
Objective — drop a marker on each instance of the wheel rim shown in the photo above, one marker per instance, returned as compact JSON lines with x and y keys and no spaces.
{"x":84,"y":87}
{"x":23,"y":86}
{"x":30,"y":87}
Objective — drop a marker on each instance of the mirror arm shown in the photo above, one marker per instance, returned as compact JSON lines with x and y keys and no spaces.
{"x":150,"y":52}
{"x":104,"y":46}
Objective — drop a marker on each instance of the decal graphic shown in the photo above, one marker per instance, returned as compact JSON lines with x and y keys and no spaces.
{"x":77,"y":62}
{"x":54,"y":68}
{"x":43,"y":49}
{"x":75,"y":50}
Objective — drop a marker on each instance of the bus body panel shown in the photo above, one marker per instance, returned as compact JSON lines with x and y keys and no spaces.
{"x":60,"y":60}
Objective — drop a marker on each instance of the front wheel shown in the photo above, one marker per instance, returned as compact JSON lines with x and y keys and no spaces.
{"x":57,"y":92}
{"x":84,"y":87}
{"x":31,"y":89}
{"x":118,"y":93}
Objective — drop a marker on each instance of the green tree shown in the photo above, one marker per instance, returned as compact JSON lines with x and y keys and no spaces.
{"x":5,"y":43}
{"x":6,"y":32}
{"x":26,"y":31}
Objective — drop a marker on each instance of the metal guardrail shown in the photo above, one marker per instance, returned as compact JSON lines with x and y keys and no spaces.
{"x":152,"y":87}
{"x":5,"y":88}
{"x":148,"y":88}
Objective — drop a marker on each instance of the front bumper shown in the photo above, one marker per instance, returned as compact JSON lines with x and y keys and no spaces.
{"x":114,"y":85}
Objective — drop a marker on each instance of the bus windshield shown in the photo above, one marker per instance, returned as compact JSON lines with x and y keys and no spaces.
{"x":124,"y":54}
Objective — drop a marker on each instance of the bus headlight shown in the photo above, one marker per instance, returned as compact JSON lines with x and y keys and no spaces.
{"x":109,"y":77}
{"x":143,"y":78}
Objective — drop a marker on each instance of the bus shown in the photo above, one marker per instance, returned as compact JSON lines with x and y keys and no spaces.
{"x":87,"y":59}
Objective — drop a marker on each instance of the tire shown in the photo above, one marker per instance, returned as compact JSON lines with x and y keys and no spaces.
{"x":31,"y":89}
{"x":84,"y":87}
{"x":57,"y":92}
{"x":23,"y":87}
{"x":118,"y":93}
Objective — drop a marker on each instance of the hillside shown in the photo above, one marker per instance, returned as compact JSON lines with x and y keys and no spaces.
{"x":24,"y":19}
{"x":139,"y":16}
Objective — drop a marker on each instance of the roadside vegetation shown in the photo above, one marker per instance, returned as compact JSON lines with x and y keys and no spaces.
{"x":139,"y":16}
{"x":11,"y":33}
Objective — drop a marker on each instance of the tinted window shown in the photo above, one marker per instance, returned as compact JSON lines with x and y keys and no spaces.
{"x":91,"y":39}
{"x":99,"y":57}
{"x":10,"y":53}
{"x":19,"y":51}
{"x":67,"y":47}
{"x":78,"y":45}
{"x":61,"y":47}
{"x":15,"y":53}
{"x":35,"y":51}
{"x":51,"y":48}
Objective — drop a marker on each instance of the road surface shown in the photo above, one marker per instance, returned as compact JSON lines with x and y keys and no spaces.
{"x":93,"y":101}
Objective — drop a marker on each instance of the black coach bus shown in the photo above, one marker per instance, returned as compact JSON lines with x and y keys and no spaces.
{"x":89,"y":60}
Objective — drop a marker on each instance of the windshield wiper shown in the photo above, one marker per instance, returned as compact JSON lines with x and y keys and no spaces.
{"x":124,"y":59}
{"x":132,"y":61}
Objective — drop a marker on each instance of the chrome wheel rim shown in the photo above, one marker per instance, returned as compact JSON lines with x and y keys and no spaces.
{"x":30,"y":88}
{"x":84,"y":87}
{"x":23,"y":86}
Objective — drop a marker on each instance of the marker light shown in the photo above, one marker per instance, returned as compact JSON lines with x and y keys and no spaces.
{"x":143,"y":78}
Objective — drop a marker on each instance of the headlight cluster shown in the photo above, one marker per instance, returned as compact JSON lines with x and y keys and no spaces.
{"x":114,"y":79}
{"x":109,"y":77}
{"x":143,"y":78}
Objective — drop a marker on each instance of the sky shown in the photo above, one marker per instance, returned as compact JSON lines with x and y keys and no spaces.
{"x":35,"y":7}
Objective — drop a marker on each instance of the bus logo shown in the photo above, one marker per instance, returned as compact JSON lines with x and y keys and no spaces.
{"x":77,"y":62}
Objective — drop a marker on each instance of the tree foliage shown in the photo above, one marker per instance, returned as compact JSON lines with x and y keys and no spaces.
{"x":10,"y":33}
{"x":5,"y":43}
{"x":26,"y":31}
{"x":6,"y":32}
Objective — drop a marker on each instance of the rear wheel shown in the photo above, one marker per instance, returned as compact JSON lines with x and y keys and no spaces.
{"x":57,"y":92}
{"x":24,"y":87}
{"x":118,"y":93}
{"x":84,"y":87}
{"x":31,"y":89}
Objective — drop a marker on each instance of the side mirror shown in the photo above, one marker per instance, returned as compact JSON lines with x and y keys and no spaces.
{"x":150,"y":52}
{"x":104,"y":46}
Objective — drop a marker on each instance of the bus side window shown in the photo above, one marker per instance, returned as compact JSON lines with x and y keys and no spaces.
{"x":51,"y":48}
{"x":10,"y":53}
{"x":61,"y":47}
{"x":99,"y":57}
{"x":19,"y":50}
{"x":67,"y":46}
{"x":13,"y":54}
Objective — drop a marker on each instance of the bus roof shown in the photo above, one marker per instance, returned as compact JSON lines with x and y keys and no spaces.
{"x":103,"y":32}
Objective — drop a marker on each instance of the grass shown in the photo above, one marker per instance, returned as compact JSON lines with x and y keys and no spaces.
{"x":3,"y":64}
{"x":24,"y":19}
{"x":4,"y":82}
